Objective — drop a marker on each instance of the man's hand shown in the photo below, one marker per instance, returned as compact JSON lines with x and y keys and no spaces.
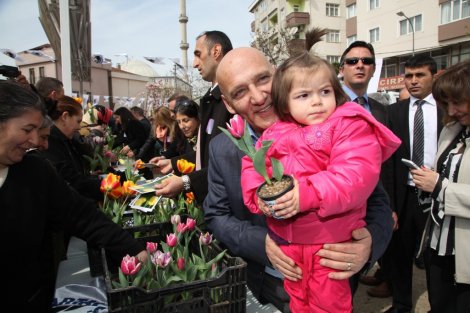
{"x":163,"y":166}
{"x":282,"y":262}
{"x":347,"y":257}
{"x":169,"y":187}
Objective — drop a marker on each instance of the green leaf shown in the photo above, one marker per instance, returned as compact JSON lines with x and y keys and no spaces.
{"x":259,"y":160}
{"x":123,"y":279}
{"x":278,"y":169}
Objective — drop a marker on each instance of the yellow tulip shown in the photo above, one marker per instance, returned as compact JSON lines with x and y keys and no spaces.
{"x":185,"y":166}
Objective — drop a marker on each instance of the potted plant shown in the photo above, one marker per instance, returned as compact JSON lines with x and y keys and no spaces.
{"x":273,"y":186}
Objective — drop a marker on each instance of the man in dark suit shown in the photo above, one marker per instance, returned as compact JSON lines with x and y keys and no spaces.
{"x":357,"y":68}
{"x":245,"y":78}
{"x":211,"y":47}
{"x":402,"y":120}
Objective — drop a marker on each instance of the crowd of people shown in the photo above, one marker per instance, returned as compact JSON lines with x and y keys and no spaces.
{"x":354,"y":202}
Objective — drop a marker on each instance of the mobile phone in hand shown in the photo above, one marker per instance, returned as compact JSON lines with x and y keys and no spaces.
{"x":410,"y":164}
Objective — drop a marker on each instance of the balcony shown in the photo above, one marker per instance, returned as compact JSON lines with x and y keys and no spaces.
{"x":297,"y":19}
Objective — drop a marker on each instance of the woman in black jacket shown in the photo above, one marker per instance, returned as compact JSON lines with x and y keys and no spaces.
{"x":132,"y":134}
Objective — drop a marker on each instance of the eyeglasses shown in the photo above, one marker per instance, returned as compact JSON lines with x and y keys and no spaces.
{"x":354,"y":61}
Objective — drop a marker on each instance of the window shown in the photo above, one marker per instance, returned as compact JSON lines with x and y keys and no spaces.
{"x":374,"y":35}
{"x":32,"y":77}
{"x":405,"y":27}
{"x":374,"y":4}
{"x":332,"y":36}
{"x":296,"y":8}
{"x":454,"y":10}
{"x":41,"y":72}
{"x":333,"y":59}
{"x":389,"y":70}
{"x":351,"y":39}
{"x":351,"y":10}
{"x":332,"y":9}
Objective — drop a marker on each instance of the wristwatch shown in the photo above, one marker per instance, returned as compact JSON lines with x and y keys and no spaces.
{"x":186,"y":182}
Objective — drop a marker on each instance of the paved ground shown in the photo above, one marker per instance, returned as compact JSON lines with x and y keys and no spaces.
{"x":365,"y":304}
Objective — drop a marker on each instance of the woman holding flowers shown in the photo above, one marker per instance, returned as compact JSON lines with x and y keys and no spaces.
{"x":65,"y":153}
{"x":35,"y":200}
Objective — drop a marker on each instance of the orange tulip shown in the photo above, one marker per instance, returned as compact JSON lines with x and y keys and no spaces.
{"x":110,"y":182}
{"x":139,"y":164}
{"x":189,"y":197}
{"x":116,"y":193}
{"x":126,"y":188}
{"x":185,"y":166}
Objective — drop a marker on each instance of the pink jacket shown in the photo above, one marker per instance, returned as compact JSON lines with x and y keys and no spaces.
{"x":337,"y":164}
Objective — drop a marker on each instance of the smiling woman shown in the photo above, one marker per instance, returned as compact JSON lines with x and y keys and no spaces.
{"x":36,"y":202}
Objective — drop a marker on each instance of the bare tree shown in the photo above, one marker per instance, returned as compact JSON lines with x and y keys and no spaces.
{"x":278,"y":44}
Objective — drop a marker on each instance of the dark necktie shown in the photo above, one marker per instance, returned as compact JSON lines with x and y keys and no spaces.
{"x":361,"y":100}
{"x":418,"y":134}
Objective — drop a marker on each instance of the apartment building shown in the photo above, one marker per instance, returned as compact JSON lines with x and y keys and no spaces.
{"x":397,"y":29}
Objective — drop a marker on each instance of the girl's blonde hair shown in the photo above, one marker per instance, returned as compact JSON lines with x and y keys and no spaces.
{"x":162,"y":116}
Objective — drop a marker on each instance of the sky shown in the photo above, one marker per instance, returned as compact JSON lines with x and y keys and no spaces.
{"x":134,"y":27}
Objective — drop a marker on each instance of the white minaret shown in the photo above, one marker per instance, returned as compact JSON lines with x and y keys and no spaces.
{"x":183,"y":19}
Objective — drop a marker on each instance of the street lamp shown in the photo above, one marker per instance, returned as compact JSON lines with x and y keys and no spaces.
{"x":412,"y":28}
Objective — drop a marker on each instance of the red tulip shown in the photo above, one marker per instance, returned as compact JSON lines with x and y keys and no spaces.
{"x":236,"y":126}
{"x":130,"y":265}
{"x":152,"y":247}
{"x":171,"y":240}
{"x":110,"y":182}
{"x":190,"y":224}
{"x":181,"y":264}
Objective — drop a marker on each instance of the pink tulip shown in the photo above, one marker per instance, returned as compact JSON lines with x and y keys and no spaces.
{"x":171,"y":240}
{"x":181,"y":228}
{"x":175,"y":219}
{"x":205,"y":239}
{"x":152,"y":247}
{"x":130,"y":265}
{"x":236,"y":126}
{"x":190,"y":224}
{"x":161,"y":259}
{"x":181,"y":264}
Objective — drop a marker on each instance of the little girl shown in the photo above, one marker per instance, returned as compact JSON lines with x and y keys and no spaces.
{"x":334,"y":149}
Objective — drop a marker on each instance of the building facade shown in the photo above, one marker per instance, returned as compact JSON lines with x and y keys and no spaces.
{"x":397,"y":29}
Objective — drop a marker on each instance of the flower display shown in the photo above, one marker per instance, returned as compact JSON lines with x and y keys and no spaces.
{"x":174,"y":262}
{"x":238,"y":131}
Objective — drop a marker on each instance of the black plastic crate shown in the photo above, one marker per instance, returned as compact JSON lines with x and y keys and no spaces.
{"x":156,"y":230}
{"x":224,"y":293}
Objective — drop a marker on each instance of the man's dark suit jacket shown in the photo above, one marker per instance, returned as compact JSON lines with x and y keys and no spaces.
{"x":398,"y":122}
{"x":213,"y":114}
{"x":244,"y":233}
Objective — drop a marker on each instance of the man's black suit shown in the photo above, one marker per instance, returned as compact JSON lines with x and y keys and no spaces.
{"x":404,"y":201}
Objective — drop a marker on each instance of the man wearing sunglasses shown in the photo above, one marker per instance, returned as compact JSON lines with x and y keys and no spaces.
{"x":357,"y":68}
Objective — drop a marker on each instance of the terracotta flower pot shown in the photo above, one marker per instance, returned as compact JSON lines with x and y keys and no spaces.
{"x":269,"y":193}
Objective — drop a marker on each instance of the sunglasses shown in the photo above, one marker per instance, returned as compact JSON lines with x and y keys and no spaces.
{"x":354,"y":61}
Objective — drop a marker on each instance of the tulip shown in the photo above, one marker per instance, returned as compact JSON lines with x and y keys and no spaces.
{"x":205,"y":239}
{"x":190,"y":197}
{"x":116,"y":193}
{"x":110,"y":182}
{"x":152,"y":247}
{"x":236,"y":126}
{"x":139,"y":164}
{"x":185,"y":166}
{"x":161,"y":259}
{"x":130,"y":265}
{"x":190,"y":224}
{"x":181,"y":228}
{"x":171,"y":240}
{"x":175,"y":219}
{"x":126,"y":188}
{"x":181,"y":264}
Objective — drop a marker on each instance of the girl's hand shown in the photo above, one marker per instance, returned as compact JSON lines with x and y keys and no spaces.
{"x":287,"y":205}
{"x":425,"y":179}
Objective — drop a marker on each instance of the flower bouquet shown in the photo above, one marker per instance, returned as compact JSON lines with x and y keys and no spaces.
{"x":185,"y":270}
{"x":274,"y":186}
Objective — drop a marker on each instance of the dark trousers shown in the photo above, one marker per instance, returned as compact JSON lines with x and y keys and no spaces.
{"x":445,"y":295}
{"x":411,"y":223}
{"x":273,"y":292}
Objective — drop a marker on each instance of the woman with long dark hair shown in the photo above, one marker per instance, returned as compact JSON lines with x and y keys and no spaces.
{"x":132,"y":133}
